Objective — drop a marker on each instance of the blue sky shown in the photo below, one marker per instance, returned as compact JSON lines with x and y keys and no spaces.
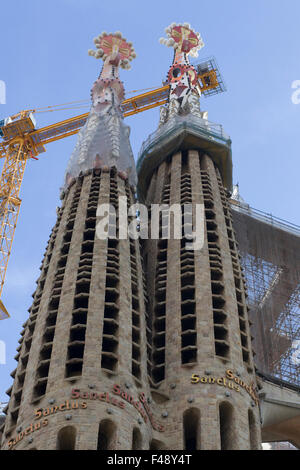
{"x":44,"y":62}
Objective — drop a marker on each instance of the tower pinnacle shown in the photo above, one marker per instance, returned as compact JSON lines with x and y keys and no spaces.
{"x":182,"y":76}
{"x":103,"y":142}
{"x":182,"y":125}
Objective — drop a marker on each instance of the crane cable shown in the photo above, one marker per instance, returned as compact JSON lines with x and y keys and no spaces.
{"x":46,"y":109}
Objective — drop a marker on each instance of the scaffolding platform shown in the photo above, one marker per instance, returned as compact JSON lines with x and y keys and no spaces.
{"x":269,"y":249}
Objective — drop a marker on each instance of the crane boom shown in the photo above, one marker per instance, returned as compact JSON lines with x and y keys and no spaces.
{"x":10,"y":184}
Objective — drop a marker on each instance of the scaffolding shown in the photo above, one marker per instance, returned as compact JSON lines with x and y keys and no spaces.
{"x":269,"y":249}
{"x":210,"y":78}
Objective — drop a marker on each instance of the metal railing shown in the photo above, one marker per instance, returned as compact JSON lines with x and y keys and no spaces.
{"x":204,"y":128}
{"x":267,"y":218}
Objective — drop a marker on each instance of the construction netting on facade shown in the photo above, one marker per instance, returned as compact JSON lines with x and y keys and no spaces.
{"x":270,"y":256}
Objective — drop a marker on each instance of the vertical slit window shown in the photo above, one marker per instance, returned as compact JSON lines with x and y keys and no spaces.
{"x":187,"y":272}
{"x":110,"y":337}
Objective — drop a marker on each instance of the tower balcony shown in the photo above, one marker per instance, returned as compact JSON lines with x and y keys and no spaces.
{"x":184,"y":133}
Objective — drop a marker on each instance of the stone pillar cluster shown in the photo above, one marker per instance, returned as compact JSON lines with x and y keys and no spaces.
{"x":137,"y":346}
{"x":201,"y":344}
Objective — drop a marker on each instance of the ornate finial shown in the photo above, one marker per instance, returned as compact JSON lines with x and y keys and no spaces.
{"x":116,"y":52}
{"x":115,"y":47}
{"x":182,"y":76}
{"x":183,"y":39}
{"x":103,"y":142}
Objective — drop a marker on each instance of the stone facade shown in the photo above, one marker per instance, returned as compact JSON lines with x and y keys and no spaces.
{"x":100,"y":367}
{"x":86,"y":330}
{"x":199,"y":316}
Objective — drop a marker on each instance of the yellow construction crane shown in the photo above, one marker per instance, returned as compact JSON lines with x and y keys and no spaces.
{"x":21,"y":141}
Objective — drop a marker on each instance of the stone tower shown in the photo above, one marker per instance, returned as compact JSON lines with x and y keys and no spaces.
{"x":202,"y":361}
{"x":81,"y":380}
{"x":99,"y":365}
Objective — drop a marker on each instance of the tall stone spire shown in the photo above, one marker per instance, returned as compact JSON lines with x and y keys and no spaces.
{"x":200,"y":332}
{"x":104,"y":140}
{"x":182,"y":76}
{"x":82,"y":360}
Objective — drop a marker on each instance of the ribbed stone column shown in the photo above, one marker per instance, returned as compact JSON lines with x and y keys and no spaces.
{"x":86,"y":331}
{"x":199,"y":317}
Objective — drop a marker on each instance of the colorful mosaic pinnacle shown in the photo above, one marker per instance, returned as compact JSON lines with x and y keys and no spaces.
{"x":103,"y":142}
{"x":183,"y":39}
{"x":182,"y":77}
{"x":115,"y":48}
{"x":116,"y":52}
